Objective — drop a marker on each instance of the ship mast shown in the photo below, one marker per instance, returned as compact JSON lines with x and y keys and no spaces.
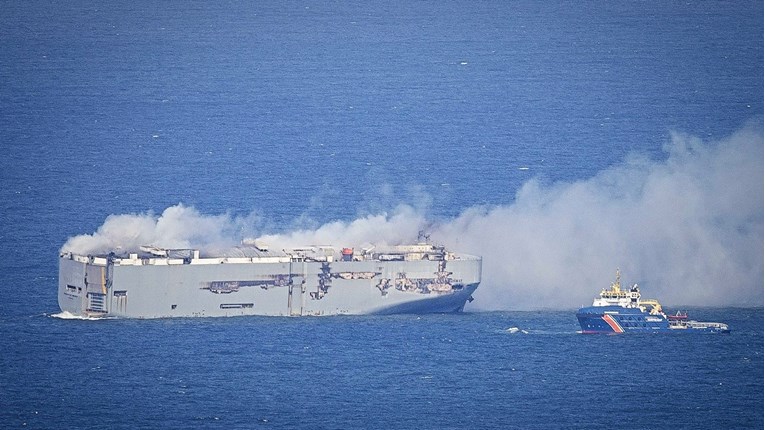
{"x":616,"y":286}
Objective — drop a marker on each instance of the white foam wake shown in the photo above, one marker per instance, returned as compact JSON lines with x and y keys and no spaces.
{"x":66,"y":315}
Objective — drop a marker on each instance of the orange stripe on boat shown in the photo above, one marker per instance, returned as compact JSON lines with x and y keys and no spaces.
{"x":612,"y":322}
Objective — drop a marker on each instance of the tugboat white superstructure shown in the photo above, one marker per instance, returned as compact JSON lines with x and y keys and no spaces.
{"x":622,"y":311}
{"x":253,"y":280}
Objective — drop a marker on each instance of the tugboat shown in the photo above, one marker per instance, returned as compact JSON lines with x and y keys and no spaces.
{"x":618,"y":310}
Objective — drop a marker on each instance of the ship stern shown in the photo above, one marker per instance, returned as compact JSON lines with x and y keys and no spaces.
{"x":71,"y":289}
{"x":81,"y":286}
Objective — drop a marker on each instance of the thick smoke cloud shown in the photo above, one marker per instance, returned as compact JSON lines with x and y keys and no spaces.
{"x":181,"y":227}
{"x":178,"y":226}
{"x":402,"y":226}
{"x":688,"y":229}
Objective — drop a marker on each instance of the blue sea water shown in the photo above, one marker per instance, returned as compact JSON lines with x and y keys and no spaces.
{"x":308,"y":112}
{"x":406,"y":371}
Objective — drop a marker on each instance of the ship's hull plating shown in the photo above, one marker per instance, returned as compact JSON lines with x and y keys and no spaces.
{"x":92,"y":288}
{"x":616,"y":319}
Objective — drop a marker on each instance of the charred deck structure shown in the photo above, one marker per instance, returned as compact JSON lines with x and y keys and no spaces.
{"x":253,"y":280}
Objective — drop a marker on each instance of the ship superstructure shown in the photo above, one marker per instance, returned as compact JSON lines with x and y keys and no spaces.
{"x":618,"y":310}
{"x":252,"y":279}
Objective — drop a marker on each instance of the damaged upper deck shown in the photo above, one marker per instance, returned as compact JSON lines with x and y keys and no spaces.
{"x":252,"y":253}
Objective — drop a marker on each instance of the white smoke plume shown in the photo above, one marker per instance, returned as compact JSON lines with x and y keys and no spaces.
{"x":403,"y":226}
{"x":689,"y":229}
{"x":178,"y":226}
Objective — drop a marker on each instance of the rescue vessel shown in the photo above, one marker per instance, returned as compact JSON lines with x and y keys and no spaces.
{"x":618,"y":310}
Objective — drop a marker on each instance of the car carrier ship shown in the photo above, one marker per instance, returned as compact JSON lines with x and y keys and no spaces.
{"x":251,"y":279}
{"x":618,"y":310}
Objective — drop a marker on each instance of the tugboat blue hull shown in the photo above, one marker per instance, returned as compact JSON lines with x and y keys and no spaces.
{"x":616,"y":319}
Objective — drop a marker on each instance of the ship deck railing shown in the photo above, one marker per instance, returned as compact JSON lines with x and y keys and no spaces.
{"x":141,"y":260}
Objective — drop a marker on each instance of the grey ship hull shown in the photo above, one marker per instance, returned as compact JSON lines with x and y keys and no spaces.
{"x":276,"y":286}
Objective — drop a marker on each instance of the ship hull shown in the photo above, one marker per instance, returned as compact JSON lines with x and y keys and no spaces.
{"x":103,"y":287}
{"x":616,"y":320}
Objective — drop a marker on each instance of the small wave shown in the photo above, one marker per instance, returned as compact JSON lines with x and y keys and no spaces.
{"x":513,"y":330}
